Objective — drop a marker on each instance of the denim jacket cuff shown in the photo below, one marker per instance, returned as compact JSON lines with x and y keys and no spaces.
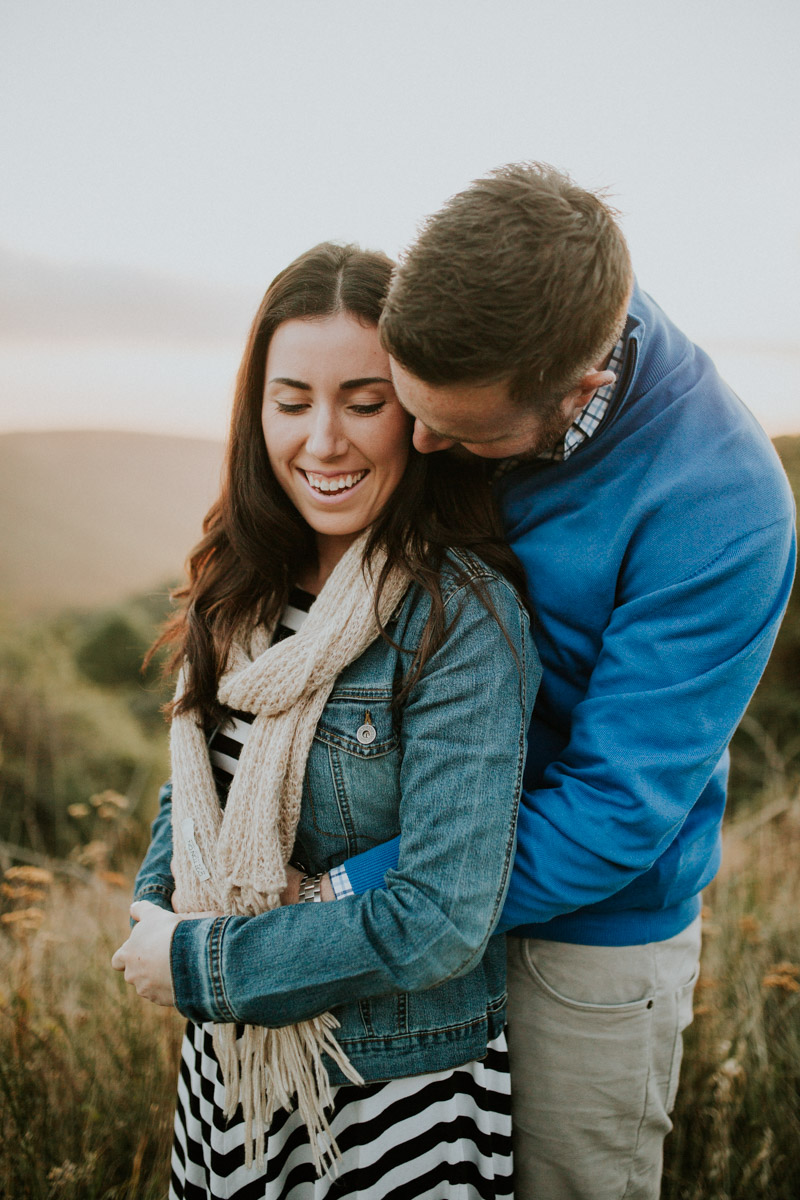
{"x":156,"y":893}
{"x":196,"y":965}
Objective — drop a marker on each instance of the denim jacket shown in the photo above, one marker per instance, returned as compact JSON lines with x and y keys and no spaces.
{"x":412,"y":972}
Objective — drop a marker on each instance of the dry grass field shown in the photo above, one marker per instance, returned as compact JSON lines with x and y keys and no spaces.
{"x":87,"y":1071}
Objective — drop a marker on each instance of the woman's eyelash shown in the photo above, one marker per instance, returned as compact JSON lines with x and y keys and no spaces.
{"x":367,"y":409}
{"x":362,"y":410}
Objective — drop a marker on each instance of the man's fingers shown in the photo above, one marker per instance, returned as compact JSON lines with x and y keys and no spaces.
{"x":118,"y":960}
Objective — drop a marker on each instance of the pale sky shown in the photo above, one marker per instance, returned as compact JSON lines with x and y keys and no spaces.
{"x":163,"y":159}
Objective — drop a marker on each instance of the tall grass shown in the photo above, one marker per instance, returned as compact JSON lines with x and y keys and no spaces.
{"x":87,"y":1070}
{"x":737,"y":1121}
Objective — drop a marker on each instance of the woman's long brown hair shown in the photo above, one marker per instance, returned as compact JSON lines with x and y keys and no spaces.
{"x":255,"y":543}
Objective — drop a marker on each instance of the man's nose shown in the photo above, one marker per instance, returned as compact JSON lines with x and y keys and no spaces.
{"x":426,"y":442}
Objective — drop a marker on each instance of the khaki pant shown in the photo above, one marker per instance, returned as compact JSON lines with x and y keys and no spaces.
{"x":595,"y":1044}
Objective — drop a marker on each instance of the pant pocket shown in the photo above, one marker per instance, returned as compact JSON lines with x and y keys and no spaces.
{"x":581,"y":977}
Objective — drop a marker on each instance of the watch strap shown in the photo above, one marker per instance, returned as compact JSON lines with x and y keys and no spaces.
{"x":311,"y":888}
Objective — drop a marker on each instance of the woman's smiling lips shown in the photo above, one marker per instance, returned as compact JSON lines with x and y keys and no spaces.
{"x":330,"y":487}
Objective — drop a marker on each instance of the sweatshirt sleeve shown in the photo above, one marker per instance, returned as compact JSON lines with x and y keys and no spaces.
{"x":460,"y":779}
{"x":677,"y":667}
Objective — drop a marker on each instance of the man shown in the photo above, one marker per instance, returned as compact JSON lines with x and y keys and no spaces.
{"x":656,"y":529}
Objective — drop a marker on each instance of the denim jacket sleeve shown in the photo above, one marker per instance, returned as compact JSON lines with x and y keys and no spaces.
{"x":463,"y":744}
{"x":154,"y":880}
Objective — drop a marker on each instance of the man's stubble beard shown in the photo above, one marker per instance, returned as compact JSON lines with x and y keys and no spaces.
{"x":552,"y":428}
{"x":552,"y":425}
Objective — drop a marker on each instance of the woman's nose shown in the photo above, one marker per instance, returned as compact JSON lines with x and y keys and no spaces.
{"x":326,"y":437}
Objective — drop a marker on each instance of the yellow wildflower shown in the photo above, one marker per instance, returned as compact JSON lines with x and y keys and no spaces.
{"x":31,"y":875}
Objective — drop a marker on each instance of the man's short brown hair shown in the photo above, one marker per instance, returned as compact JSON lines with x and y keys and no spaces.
{"x":521,"y":277}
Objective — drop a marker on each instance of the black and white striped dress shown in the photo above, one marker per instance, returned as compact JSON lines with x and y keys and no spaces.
{"x":440,"y":1136}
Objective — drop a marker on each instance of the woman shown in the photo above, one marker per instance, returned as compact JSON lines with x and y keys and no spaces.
{"x":399,"y":704}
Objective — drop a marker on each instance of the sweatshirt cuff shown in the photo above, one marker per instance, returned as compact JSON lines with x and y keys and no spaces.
{"x":196,"y":966}
{"x":367,"y":871}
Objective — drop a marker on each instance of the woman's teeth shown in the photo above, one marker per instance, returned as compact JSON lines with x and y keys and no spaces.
{"x":337,"y":483}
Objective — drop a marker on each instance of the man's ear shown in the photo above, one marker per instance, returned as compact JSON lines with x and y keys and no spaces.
{"x":576,"y":400}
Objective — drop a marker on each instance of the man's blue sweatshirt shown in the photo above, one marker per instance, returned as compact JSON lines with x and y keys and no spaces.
{"x":659,"y":558}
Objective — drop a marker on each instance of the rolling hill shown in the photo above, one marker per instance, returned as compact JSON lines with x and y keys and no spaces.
{"x":88,"y":518}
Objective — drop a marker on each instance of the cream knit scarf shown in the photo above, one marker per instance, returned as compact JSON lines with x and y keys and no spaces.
{"x":234,"y":861}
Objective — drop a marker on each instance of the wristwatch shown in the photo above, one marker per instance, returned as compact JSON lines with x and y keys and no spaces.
{"x":311,"y":888}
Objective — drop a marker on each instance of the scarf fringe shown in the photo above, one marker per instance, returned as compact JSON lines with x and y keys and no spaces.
{"x":269,"y":1069}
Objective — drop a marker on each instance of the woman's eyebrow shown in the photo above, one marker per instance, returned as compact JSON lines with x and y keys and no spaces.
{"x":350,"y":384}
{"x":294,"y":383}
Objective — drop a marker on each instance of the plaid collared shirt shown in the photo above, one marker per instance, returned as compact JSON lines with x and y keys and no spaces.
{"x":584,"y":424}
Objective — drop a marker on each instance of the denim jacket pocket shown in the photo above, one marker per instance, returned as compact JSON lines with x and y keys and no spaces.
{"x":351,"y":795}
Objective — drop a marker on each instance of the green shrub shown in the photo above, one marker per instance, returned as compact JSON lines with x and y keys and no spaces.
{"x":765,"y":752}
{"x":64,"y":739}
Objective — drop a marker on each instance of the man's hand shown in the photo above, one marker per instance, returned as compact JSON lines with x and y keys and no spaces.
{"x":145,"y":956}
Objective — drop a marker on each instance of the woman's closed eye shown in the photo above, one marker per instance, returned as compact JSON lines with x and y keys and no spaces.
{"x":367,"y":409}
{"x":284,"y":406}
{"x":361,"y":410}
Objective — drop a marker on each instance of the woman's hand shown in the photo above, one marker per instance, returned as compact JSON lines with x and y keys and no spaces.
{"x":145,"y":956}
{"x":291,"y":893}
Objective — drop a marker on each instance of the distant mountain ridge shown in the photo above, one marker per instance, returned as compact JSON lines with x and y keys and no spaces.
{"x":90,"y":517}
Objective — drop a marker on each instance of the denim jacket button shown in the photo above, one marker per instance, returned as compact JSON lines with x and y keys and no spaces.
{"x":366,"y":734}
